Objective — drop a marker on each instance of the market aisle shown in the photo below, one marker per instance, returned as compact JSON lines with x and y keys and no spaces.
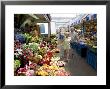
{"x":78,"y":66}
{"x":41,"y":47}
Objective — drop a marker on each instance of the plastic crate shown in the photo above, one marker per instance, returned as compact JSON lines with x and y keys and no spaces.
{"x":73,"y":45}
{"x":82,"y":50}
{"x":78,"y":49}
{"x":92,"y":59}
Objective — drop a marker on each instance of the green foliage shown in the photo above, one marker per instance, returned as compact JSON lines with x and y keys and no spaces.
{"x":16,"y":64}
{"x":33,"y":47}
{"x":41,"y":51}
{"x":28,"y":37}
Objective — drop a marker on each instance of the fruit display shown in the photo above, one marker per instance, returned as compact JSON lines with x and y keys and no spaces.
{"x":88,"y":27}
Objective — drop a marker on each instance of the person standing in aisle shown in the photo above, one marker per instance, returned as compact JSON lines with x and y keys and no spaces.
{"x":74,"y":39}
{"x":66,"y":45}
{"x":57,"y":35}
{"x":60,"y":44}
{"x":74,"y":36}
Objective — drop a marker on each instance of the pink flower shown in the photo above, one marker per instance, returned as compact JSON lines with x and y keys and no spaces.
{"x":29,"y":72}
{"x":22,"y":70}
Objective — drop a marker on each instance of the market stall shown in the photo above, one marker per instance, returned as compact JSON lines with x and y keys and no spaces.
{"x":36,"y":54}
{"x":87,"y":44}
{"x":43,"y":46}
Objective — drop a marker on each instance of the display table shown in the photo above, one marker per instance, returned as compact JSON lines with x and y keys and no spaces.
{"x":80,"y":48}
{"x":85,"y":51}
{"x":92,"y":57}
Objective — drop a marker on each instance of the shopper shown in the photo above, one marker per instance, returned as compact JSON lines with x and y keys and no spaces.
{"x":60,"y":45}
{"x":74,"y":39}
{"x":74,"y":35}
{"x":66,"y":45}
{"x":57,"y":35}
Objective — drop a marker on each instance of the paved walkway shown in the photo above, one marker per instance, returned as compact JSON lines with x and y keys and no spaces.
{"x":78,"y":66}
